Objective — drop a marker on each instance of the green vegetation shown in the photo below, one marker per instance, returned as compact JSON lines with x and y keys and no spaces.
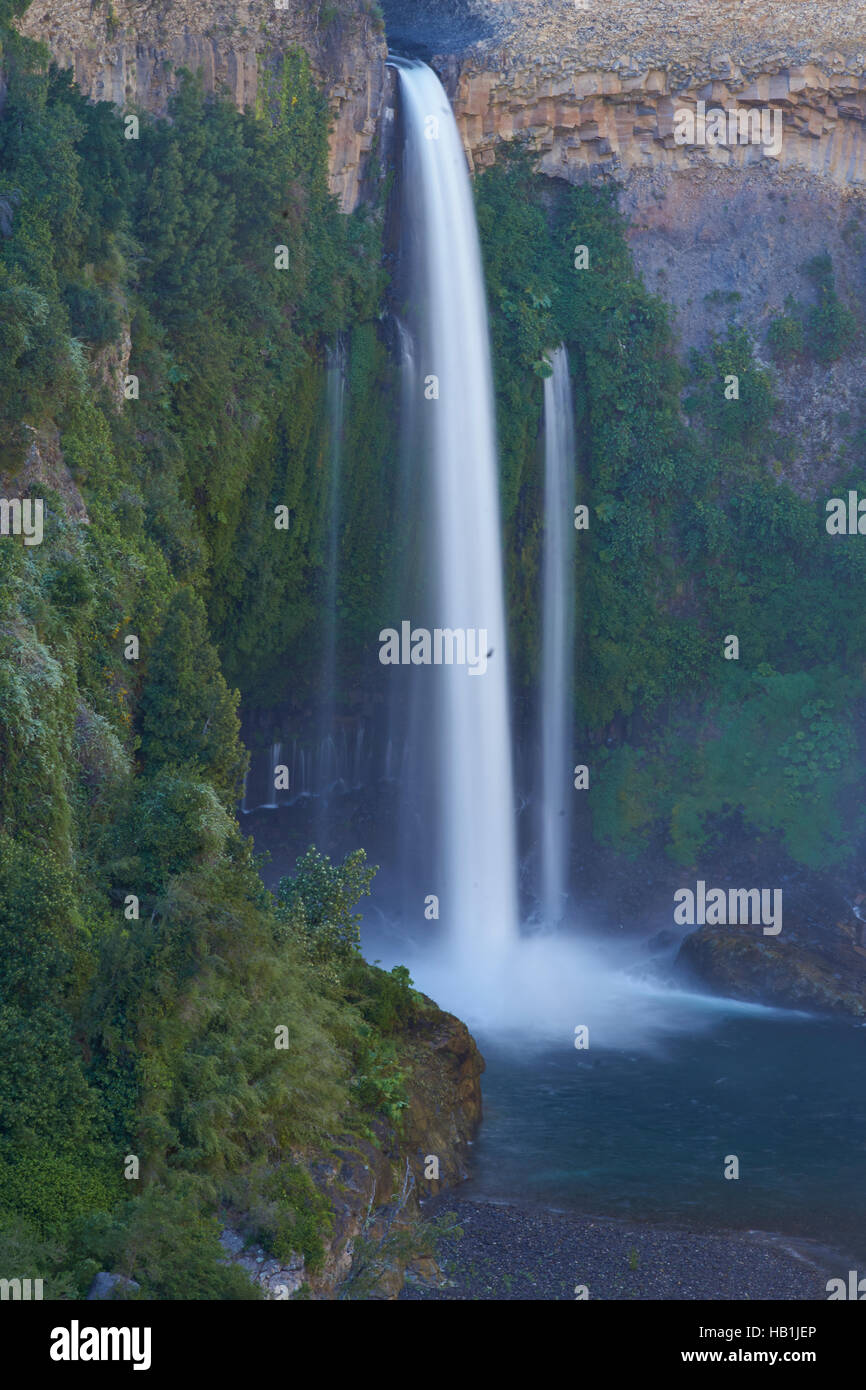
{"x":831,"y":325}
{"x":693,"y":535}
{"x":825,"y":330}
{"x":144,"y":970}
{"x":786,"y":338}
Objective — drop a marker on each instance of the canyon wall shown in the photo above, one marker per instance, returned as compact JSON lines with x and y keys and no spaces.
{"x":586,"y":122}
{"x":593,"y":87}
{"x":722,"y":231}
{"x":131,"y":53}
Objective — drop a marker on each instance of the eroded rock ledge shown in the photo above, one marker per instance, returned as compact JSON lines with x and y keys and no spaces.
{"x":130,"y":53}
{"x":824,"y":974}
{"x":593,"y":84}
{"x":590,"y":122}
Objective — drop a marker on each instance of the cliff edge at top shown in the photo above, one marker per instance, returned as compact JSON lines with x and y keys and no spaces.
{"x":685,"y":32}
{"x":596,"y":92}
{"x":130,"y":53}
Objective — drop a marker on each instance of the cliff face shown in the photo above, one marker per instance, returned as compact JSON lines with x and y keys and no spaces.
{"x":130,"y":53}
{"x":592,"y":121}
{"x":721,"y":231}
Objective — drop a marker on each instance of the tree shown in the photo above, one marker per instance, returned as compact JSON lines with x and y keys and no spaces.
{"x":317,"y":901}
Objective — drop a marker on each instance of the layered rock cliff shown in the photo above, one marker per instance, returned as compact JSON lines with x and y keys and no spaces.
{"x":722,"y":231}
{"x":593,"y":88}
{"x":596,"y":96}
{"x":131,"y":53}
{"x":592,"y":121}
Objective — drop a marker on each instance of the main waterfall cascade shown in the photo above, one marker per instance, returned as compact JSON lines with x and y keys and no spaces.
{"x":471,"y":753}
{"x":555,"y":702}
{"x":457,"y":806}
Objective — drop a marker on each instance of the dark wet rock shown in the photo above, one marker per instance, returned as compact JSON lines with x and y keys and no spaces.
{"x":420,"y":28}
{"x":663,"y":941}
{"x":800,"y":969}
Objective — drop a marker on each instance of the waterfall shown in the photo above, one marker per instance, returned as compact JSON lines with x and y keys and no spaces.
{"x":558,"y":637}
{"x":335,"y":394}
{"x":456,"y":794}
{"x":469,"y":731}
{"x":276,"y":759}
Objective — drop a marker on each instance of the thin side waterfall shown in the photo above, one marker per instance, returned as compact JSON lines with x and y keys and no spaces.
{"x":557,"y":675}
{"x":276,"y":759}
{"x":470,"y":732}
{"x":335,"y":394}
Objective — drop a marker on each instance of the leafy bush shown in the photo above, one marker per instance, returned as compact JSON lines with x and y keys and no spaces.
{"x":831,"y":325}
{"x":292,"y":1216}
{"x":316,"y":903}
{"x":785,"y":337}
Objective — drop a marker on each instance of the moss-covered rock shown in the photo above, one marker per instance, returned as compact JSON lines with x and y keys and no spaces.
{"x":827,"y":975}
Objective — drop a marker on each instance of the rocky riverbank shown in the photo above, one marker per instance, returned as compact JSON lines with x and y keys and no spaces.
{"x":508,"y":1253}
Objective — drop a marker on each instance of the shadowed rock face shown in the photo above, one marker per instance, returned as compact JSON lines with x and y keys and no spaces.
{"x":420,"y":28}
{"x":375,"y":1185}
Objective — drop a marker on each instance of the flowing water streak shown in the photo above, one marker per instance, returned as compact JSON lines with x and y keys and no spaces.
{"x":335,"y":395}
{"x":555,"y":705}
{"x":470,"y":731}
{"x":276,"y":761}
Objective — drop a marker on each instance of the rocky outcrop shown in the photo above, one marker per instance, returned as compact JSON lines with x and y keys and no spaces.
{"x":797,"y":970}
{"x":594,"y":87}
{"x":588,"y":122}
{"x":44,"y":467}
{"x":110,"y":364}
{"x":110,"y":1286}
{"x":130,"y":53}
{"x":375,"y":1185}
{"x":722,"y":231}
{"x":444,"y":1090}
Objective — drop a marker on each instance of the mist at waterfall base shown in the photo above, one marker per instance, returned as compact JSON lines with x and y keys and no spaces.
{"x":673,"y":1080}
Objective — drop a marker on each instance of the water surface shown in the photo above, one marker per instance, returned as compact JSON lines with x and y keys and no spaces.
{"x":644,"y":1135}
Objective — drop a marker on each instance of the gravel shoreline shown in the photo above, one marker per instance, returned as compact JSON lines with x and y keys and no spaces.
{"x":515,"y":1253}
